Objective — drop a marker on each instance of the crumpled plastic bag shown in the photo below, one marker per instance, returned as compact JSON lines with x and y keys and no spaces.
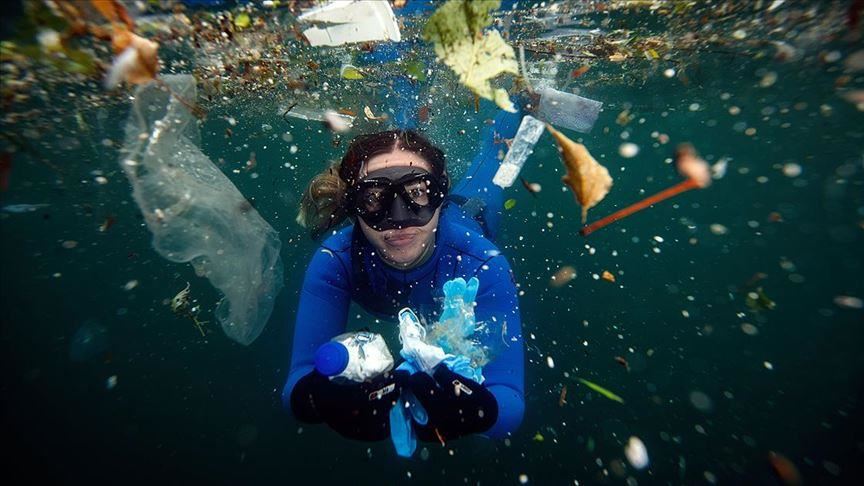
{"x":195,"y":213}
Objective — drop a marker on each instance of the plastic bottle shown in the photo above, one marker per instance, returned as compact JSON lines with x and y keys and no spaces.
{"x":355,"y":356}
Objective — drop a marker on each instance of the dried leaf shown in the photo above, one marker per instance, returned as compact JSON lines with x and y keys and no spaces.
{"x":589,"y":181}
{"x":580,"y":71}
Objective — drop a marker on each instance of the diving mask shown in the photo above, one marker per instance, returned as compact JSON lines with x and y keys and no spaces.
{"x":396,"y":197}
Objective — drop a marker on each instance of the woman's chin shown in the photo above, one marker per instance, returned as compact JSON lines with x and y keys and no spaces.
{"x":402,"y":255}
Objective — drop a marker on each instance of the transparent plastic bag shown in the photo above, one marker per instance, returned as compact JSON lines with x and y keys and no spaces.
{"x":195,"y":213}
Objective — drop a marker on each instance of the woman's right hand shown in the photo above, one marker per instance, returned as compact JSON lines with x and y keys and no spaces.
{"x":355,"y":410}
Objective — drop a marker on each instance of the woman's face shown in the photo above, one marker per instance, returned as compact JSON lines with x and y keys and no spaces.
{"x":400,"y":247}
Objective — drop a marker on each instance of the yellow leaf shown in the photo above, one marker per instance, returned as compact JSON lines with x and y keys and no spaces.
{"x":242,"y":21}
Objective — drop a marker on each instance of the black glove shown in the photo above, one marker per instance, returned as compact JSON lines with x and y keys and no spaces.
{"x":456,"y":405}
{"x":355,"y":410}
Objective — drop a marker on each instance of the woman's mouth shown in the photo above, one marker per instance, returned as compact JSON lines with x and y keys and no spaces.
{"x":399,"y":240}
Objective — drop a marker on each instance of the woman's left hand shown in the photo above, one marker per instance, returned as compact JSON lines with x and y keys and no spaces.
{"x":456,"y":405}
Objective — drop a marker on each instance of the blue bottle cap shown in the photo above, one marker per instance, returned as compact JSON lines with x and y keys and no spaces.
{"x":331,"y":359}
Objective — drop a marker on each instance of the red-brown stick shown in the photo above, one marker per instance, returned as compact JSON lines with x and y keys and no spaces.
{"x":648,"y":201}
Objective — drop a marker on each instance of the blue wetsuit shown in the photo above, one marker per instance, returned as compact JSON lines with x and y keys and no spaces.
{"x":346,"y":267}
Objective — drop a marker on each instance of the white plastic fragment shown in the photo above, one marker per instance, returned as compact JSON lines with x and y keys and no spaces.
{"x":523,"y":146}
{"x":568,"y":110}
{"x":351,"y":21}
{"x":628,"y":150}
{"x":848,"y":302}
{"x":636,"y":453}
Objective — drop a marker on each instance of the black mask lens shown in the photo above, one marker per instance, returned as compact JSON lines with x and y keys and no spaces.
{"x":397,"y":197}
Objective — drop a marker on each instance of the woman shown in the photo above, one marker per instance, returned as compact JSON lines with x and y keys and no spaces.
{"x":410,"y":235}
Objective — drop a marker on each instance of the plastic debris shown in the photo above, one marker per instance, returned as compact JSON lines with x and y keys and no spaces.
{"x":195,"y":213}
{"x":628,"y":150}
{"x":23,"y":208}
{"x":338,"y":122}
{"x":351,"y":21}
{"x":636,"y":453}
{"x":568,"y":110}
{"x":849,"y":302}
{"x":522,"y":147}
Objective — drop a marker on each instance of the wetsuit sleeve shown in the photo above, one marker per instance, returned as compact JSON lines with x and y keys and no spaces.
{"x":497,"y":302}
{"x":321,"y":315}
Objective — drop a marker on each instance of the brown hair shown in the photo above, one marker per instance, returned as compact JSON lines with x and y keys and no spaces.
{"x":323,"y":206}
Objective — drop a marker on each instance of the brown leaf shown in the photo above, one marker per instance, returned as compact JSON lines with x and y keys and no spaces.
{"x":589,"y":181}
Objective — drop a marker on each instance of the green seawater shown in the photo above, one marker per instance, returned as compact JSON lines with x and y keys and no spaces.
{"x":187,"y":408}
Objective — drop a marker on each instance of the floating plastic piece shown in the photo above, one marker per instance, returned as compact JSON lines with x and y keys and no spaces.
{"x":23,"y":208}
{"x":637,"y":454}
{"x":195,"y":213}
{"x":411,"y":335}
{"x":316,"y":114}
{"x":568,"y":110}
{"x":351,"y":21}
{"x":523,"y":145}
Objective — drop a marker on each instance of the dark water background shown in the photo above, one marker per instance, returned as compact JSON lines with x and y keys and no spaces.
{"x":187,"y":408}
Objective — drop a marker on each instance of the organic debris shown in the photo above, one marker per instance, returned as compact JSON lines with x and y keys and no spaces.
{"x":599,"y":389}
{"x":589,"y":181}
{"x":477,"y":57}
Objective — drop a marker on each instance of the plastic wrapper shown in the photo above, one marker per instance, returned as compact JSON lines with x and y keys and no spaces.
{"x":195,"y":213}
